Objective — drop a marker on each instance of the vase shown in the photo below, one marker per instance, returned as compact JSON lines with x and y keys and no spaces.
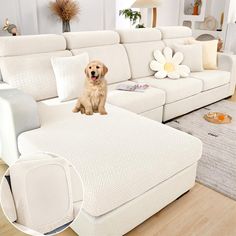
{"x":195,"y":10}
{"x":66,"y":26}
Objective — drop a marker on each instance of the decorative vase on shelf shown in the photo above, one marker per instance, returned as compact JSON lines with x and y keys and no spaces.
{"x":65,"y":26}
{"x":65,"y":10}
{"x":196,"y":5}
{"x":195,"y":10}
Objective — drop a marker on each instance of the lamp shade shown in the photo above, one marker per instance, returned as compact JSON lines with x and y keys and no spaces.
{"x":146,"y":3}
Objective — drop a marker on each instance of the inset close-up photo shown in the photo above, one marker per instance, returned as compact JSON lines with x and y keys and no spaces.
{"x":41,"y":194}
{"x":139,"y":96}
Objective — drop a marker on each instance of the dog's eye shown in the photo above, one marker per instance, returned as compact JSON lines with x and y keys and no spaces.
{"x":97,"y":67}
{"x":90,"y":67}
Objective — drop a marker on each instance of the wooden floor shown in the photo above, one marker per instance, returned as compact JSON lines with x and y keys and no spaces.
{"x":233,"y":98}
{"x":201,"y":212}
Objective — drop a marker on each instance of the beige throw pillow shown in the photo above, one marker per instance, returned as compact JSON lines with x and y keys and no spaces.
{"x":209,"y":49}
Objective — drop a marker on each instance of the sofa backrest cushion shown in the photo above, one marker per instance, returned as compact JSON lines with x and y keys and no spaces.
{"x":25,"y":45}
{"x":33,"y":74}
{"x":25,"y":63}
{"x":105,"y":47}
{"x":140,"y":45}
{"x":172,"y":35}
{"x":87,"y":39}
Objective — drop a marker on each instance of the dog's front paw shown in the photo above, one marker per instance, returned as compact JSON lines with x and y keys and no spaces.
{"x":89,"y":113}
{"x":75,"y":110}
{"x":82,"y":110}
{"x":103,"y":112}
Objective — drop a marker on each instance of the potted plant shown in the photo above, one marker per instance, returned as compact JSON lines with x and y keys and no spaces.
{"x":196,"y":5}
{"x":66,"y":10}
{"x":133,"y":16}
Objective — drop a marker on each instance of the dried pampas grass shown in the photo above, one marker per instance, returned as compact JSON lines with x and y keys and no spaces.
{"x":65,"y":9}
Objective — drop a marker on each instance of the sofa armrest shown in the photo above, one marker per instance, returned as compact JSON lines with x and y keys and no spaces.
{"x":18,"y":114}
{"x":227,"y":62}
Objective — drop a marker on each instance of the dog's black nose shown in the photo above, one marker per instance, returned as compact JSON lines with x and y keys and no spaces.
{"x":92,"y":73}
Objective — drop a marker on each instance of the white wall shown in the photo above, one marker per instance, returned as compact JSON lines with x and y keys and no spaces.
{"x":215,"y":9}
{"x":34,"y":16}
{"x":231,"y":33}
{"x":232,"y":11}
{"x":168,"y":13}
{"x":121,"y":22}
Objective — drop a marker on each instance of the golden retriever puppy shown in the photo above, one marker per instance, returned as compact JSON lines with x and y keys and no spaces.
{"x":94,"y":96}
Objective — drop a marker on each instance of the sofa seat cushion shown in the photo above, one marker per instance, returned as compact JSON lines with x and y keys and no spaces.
{"x":175,"y":89}
{"x":119,"y":156}
{"x":212,"y":78}
{"x":137,"y":102}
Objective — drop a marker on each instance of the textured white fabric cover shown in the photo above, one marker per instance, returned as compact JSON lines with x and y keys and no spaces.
{"x":7,"y":202}
{"x":119,"y":156}
{"x":170,"y":32}
{"x":212,"y":78}
{"x":137,"y":102}
{"x":91,"y":39}
{"x":42,"y":192}
{"x":175,"y":89}
{"x":199,"y":100}
{"x":192,"y":56}
{"x":31,"y":44}
{"x":33,"y":74}
{"x":139,"y":35}
{"x":140,"y":55}
{"x":128,"y":216}
{"x":70,"y":75}
{"x":228,"y":63}
{"x":77,"y":191}
{"x":114,"y":57}
{"x":155,"y":114}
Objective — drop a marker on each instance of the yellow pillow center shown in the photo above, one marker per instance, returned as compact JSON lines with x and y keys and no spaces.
{"x":169,"y":67}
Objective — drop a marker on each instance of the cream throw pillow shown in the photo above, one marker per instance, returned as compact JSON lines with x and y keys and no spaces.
{"x":209,"y":49}
{"x":69,"y":73}
{"x":193,"y":56}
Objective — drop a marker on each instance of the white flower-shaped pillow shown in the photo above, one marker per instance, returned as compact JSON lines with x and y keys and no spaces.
{"x":168,"y":65}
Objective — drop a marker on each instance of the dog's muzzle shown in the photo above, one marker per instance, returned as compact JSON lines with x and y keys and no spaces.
{"x":93,"y":76}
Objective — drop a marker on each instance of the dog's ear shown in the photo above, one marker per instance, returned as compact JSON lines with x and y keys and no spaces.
{"x":104,"y":70}
{"x":86,"y":71}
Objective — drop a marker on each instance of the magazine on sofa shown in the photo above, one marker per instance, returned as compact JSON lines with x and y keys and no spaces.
{"x":132,"y":88}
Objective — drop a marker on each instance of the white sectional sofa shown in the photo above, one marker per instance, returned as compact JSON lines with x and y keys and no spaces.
{"x":131,"y":166}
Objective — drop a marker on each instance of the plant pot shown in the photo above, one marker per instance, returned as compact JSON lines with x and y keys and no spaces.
{"x":65,"y":26}
{"x":195,"y":10}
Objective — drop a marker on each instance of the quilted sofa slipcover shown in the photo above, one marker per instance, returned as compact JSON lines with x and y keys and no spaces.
{"x":131,"y":166}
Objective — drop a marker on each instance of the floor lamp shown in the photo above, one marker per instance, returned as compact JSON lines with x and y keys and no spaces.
{"x":149,"y":4}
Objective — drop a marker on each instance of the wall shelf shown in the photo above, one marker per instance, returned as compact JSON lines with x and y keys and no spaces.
{"x":209,"y":8}
{"x":214,"y":33}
